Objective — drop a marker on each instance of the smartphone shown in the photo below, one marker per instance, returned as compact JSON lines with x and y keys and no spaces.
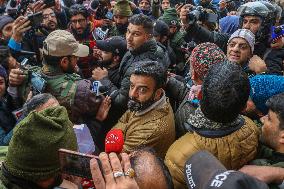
{"x":76,"y":163}
{"x":38,"y":83}
{"x":49,"y":3}
{"x":109,"y":15}
{"x":36,"y":19}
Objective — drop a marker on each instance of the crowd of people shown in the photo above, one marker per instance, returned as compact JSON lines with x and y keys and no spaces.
{"x":162,"y":94}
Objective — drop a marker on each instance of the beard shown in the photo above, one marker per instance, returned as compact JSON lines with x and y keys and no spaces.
{"x":105,"y":63}
{"x":122,"y":28}
{"x":84,"y":35}
{"x":134,"y":105}
{"x":51,"y":26}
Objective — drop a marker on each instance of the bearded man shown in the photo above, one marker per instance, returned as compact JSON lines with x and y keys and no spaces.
{"x":149,"y":120}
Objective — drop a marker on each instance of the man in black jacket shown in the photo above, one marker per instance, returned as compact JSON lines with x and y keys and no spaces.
{"x":141,"y":47}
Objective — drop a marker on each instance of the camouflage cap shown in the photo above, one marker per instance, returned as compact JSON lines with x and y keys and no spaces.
{"x":62,"y":43}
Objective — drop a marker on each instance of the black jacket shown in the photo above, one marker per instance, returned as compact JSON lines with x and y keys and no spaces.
{"x":149,"y":51}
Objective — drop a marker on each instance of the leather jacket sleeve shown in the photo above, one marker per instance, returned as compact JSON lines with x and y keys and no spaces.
{"x":86,"y":102}
{"x":202,"y":35}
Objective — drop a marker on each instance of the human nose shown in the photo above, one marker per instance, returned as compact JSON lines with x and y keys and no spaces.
{"x":133,"y":93}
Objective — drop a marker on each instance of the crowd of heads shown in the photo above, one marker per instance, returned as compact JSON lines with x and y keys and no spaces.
{"x":216,"y":66}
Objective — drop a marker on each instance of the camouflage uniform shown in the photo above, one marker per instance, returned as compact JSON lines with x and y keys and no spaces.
{"x":70,"y":90}
{"x":114,"y":32}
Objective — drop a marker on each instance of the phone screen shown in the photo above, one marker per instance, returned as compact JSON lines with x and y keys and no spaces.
{"x":75,"y":163}
{"x":36,"y":19}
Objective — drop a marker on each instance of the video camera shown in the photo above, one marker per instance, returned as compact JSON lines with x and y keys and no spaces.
{"x":15,"y":9}
{"x":37,"y":82}
{"x":198,"y":13}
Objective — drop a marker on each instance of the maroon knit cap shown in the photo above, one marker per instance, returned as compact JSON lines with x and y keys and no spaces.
{"x":203,"y":56}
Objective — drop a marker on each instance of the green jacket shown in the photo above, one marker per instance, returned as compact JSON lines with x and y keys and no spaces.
{"x":268,"y":157}
{"x":72,"y":92}
{"x":114,"y":32}
{"x":176,"y":43}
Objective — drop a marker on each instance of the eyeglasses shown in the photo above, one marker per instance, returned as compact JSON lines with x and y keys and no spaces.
{"x":46,"y":16}
{"x":80,"y":21}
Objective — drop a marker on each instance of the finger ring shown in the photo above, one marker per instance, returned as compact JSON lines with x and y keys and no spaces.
{"x":118,"y":174}
{"x":130,"y":172}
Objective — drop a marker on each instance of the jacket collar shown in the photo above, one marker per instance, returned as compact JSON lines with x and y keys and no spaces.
{"x":160,"y":103}
{"x":150,"y":45}
{"x":199,"y":121}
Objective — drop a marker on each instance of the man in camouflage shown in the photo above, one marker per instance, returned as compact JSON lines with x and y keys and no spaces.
{"x":60,"y":54}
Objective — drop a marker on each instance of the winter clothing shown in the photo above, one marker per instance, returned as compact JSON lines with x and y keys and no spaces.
{"x":7,"y":121}
{"x":122,"y":8}
{"x":245,"y":34}
{"x":269,"y":157}
{"x":263,"y":87}
{"x":229,"y":24}
{"x":186,"y":108}
{"x":153,"y":127}
{"x":148,"y":51}
{"x":234,"y":150}
{"x":161,"y":28}
{"x":3,"y":72}
{"x":33,"y":150}
{"x":170,"y":17}
{"x":274,"y":62}
{"x":86,"y":63}
{"x":205,"y":55}
{"x":4,"y":20}
{"x":116,"y":45}
{"x":176,"y":42}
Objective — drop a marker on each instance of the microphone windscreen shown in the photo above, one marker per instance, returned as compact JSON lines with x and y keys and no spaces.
{"x":114,"y":141}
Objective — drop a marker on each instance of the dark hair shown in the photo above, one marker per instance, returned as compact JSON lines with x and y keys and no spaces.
{"x":35,"y":102}
{"x":225,"y":92}
{"x":78,"y":9}
{"x":52,"y":60}
{"x":153,"y":69}
{"x":276,"y":104}
{"x":136,"y":155}
{"x":142,"y":20}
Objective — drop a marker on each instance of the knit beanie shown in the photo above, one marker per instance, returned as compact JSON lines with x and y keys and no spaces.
{"x":263,"y":87}
{"x":4,"y":20}
{"x":170,"y":16}
{"x":122,"y":8}
{"x":245,"y":34}
{"x":33,"y":149}
{"x":205,"y":55}
{"x":3,"y":72}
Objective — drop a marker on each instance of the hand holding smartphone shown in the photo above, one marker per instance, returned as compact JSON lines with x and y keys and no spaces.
{"x":76,"y":163}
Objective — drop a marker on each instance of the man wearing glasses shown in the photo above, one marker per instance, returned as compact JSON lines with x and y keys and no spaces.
{"x":82,"y":29}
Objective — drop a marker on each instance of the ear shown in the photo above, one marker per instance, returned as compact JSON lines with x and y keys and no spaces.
{"x":281,"y":137}
{"x":64,"y":63}
{"x":158,"y":94}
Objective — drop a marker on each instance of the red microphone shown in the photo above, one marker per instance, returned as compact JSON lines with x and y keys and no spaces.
{"x":114,"y":141}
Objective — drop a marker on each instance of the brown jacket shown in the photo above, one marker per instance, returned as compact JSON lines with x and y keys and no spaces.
{"x":233,"y":150}
{"x":154,"y":128}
